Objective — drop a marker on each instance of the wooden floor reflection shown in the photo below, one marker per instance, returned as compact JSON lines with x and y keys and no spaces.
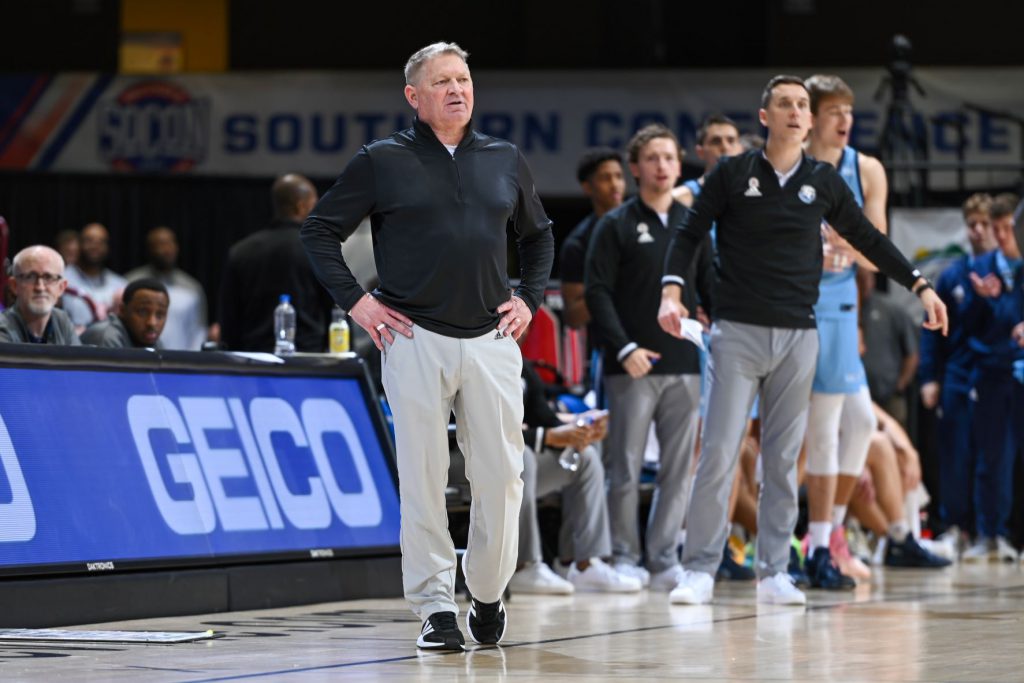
{"x":965,"y":623}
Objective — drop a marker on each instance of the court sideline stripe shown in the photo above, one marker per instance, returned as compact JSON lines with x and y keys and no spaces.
{"x":641,"y":629}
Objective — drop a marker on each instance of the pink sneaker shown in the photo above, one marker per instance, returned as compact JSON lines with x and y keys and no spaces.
{"x":846,"y":563}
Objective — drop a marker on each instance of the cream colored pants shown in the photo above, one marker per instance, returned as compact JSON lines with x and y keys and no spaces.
{"x":425,"y":379}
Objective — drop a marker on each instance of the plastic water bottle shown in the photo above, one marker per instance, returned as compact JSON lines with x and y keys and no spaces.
{"x":284,"y":327}
{"x":570,"y":457}
{"x":338,"y":332}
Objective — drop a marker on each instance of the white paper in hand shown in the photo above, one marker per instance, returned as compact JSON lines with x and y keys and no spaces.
{"x":693,"y":331}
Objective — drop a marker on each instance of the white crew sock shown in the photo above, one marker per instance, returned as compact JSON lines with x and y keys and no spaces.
{"x":820,"y":531}
{"x":838,"y":515}
{"x":912,"y":511}
{"x":898,"y":531}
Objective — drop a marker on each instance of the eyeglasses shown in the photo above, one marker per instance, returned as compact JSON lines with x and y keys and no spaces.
{"x":47,"y":279}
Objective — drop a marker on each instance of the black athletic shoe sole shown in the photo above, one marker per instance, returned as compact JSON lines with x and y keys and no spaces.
{"x":448,"y":645}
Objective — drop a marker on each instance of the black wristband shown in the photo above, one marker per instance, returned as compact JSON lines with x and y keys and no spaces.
{"x":926,"y":285}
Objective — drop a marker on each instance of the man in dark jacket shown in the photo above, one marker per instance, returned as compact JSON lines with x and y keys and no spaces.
{"x":441,"y":198}
{"x":650,"y":377}
{"x":768,"y":206}
{"x":267,"y":264}
{"x":37,"y":277}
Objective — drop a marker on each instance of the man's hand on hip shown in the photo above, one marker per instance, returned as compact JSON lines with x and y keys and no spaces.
{"x":378,"y":320}
{"x":515,"y":319}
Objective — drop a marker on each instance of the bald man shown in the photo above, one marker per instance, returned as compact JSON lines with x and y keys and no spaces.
{"x":37,"y":279}
{"x":267,"y":264}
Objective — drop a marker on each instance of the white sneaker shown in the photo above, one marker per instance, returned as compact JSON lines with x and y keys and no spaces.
{"x":667,"y":579}
{"x":538,"y":578}
{"x":694,"y":588}
{"x":634,"y":570}
{"x":599,"y":577}
{"x":779,"y":590}
{"x":1004,"y":551}
{"x":943,"y":546}
{"x":562,"y":569}
{"x":979,"y":551}
{"x":878,"y":557}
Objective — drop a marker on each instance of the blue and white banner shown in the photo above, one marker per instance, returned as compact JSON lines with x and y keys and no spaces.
{"x":99,"y":468}
{"x":312,"y":123}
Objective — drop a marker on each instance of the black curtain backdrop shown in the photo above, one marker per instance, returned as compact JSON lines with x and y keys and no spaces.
{"x":209,"y":214}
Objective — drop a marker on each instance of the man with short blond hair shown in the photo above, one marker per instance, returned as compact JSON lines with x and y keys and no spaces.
{"x":37,"y":278}
{"x":441,"y":198}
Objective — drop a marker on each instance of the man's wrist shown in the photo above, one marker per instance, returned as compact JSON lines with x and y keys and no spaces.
{"x":624,"y":352}
{"x":672,"y":290}
{"x":920,"y":287}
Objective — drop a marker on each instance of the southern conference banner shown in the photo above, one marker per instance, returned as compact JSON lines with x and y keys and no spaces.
{"x":98,"y":468}
{"x":313,"y":122}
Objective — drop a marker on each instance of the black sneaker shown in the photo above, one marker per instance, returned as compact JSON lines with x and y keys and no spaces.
{"x":796,"y":569}
{"x":824,"y":574}
{"x":731,"y":570}
{"x":441,"y":632}
{"x":486,"y":622}
{"x":909,"y":553}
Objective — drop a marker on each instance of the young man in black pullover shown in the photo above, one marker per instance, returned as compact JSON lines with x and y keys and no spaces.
{"x":768,"y":207}
{"x":649,"y":375}
{"x":441,"y":198}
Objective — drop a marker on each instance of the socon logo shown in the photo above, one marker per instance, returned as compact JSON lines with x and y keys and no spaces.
{"x":17,"y":517}
{"x":154,"y":126}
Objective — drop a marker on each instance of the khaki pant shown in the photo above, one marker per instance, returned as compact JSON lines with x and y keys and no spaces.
{"x":425,"y":379}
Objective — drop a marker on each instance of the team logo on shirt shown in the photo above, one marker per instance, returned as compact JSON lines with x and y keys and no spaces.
{"x":807,"y":194}
{"x":644,"y":234}
{"x":958,"y":294}
{"x":752,"y":188}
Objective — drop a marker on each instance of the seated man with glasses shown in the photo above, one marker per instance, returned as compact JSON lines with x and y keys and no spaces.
{"x":37,"y":279}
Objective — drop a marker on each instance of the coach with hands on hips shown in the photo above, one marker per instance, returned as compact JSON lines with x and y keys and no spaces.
{"x":440,"y":197}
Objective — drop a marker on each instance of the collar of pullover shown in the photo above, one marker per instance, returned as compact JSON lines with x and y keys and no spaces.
{"x":425,"y":134}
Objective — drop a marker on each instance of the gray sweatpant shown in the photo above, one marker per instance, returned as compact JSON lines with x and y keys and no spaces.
{"x":747,"y":359}
{"x":584,"y":511}
{"x":425,"y":378}
{"x":673,"y":403}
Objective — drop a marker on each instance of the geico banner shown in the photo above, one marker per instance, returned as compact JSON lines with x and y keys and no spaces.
{"x":266,"y":124}
{"x":103,"y":467}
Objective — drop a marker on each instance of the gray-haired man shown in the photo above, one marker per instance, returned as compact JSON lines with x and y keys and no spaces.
{"x":440,"y":197}
{"x":37,"y":278}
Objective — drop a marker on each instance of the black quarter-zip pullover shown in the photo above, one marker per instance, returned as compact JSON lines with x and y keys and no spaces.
{"x":768,"y":244}
{"x":439,"y":224}
{"x":623,"y":286}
